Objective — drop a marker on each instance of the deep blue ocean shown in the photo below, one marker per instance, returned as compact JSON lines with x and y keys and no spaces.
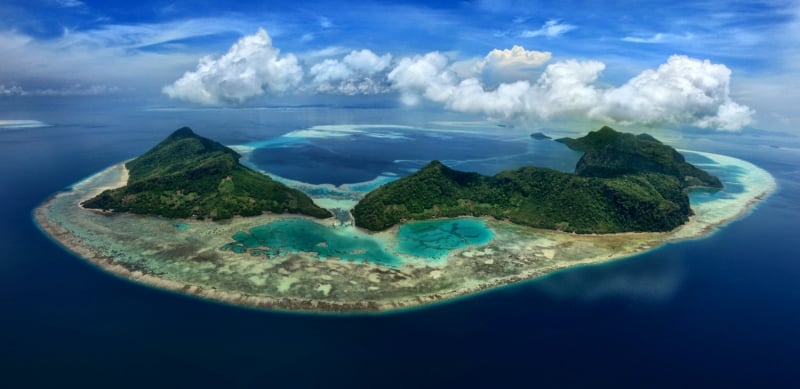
{"x":723,"y":311}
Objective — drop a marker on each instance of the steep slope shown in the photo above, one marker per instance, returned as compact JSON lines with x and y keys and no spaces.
{"x":621,"y":199}
{"x":187,"y":175}
{"x":608,"y":153}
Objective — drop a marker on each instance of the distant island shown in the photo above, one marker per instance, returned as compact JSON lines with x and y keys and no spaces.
{"x":623,"y":183}
{"x":188,"y":217}
{"x":187,"y":175}
{"x":540,"y":136}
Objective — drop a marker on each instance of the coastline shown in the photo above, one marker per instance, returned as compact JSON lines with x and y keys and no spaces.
{"x":550,"y":253}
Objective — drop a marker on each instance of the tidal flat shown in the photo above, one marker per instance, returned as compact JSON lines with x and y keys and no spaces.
{"x":336,"y":267}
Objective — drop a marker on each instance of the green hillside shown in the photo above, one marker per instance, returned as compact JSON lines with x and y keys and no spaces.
{"x":608,"y":153}
{"x":606,"y":196}
{"x":187,"y":175}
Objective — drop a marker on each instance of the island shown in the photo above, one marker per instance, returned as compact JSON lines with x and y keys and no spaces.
{"x":623,"y":183}
{"x":187,"y":216}
{"x":187,"y":175}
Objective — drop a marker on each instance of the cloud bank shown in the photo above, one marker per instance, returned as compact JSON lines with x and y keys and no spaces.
{"x":682,"y":91}
{"x":71,"y":90}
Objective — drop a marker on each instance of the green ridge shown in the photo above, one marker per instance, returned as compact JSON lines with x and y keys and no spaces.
{"x":642,"y":190}
{"x":187,"y":175}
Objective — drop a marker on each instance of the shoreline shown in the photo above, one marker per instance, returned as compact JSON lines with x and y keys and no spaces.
{"x":121,"y":181}
{"x":692,"y":229}
{"x":58,"y":235}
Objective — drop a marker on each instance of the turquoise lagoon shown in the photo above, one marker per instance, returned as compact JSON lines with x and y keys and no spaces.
{"x":435,"y":239}
{"x":730,"y":175}
{"x":429,"y":240}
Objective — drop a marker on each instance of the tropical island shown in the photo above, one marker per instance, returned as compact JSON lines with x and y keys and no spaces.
{"x":623,"y":183}
{"x":187,"y":175}
{"x":188,"y":216}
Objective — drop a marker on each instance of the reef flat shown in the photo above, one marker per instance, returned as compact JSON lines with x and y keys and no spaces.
{"x":188,"y":256}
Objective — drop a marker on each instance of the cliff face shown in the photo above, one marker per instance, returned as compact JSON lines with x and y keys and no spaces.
{"x":623,"y":183}
{"x":187,"y":175}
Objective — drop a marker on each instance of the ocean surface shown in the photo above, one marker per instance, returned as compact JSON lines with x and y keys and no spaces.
{"x":723,"y":311}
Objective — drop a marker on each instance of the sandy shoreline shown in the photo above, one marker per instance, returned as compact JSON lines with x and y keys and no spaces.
{"x":121,"y":181}
{"x":632,"y":243}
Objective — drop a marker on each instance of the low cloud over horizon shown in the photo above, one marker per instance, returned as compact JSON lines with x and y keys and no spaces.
{"x":682,"y":91}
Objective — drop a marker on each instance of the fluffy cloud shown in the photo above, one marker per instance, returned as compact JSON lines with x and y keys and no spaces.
{"x":426,"y":76}
{"x":516,"y":56}
{"x":251,"y":67}
{"x":470,"y":96}
{"x":360,"y":72}
{"x":682,"y":91}
{"x":565,"y":88}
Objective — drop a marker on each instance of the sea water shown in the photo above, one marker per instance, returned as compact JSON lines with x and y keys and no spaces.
{"x":435,"y":239}
{"x":717,"y":312}
{"x":427,"y":240}
{"x":729,"y":175}
{"x":347,"y":155}
{"x":283,"y":237}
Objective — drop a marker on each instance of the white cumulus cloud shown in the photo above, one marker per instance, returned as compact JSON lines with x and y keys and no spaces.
{"x":516,"y":56}
{"x":565,"y":87}
{"x":251,"y":67}
{"x":426,"y":76}
{"x":683,"y":90}
{"x":360,"y":72}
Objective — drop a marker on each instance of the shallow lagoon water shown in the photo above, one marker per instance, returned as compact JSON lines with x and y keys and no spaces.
{"x":437,"y":238}
{"x":427,"y":240}
{"x":729,"y":175}
{"x":296,"y":235}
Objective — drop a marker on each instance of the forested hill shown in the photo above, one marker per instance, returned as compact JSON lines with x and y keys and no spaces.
{"x":608,"y":153}
{"x":607,"y":195}
{"x":187,"y":175}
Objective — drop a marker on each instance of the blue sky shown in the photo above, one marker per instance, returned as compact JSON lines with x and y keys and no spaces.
{"x":722,"y":65}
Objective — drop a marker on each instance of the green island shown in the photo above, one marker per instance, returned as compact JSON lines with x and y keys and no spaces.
{"x":187,"y":175}
{"x":186,"y":216}
{"x":623,"y":183}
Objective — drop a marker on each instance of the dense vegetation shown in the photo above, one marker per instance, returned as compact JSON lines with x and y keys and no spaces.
{"x":187,"y":175}
{"x":644,"y":190}
{"x":608,"y":153}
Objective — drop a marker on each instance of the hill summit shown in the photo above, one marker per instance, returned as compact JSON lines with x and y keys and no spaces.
{"x":187,"y":175}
